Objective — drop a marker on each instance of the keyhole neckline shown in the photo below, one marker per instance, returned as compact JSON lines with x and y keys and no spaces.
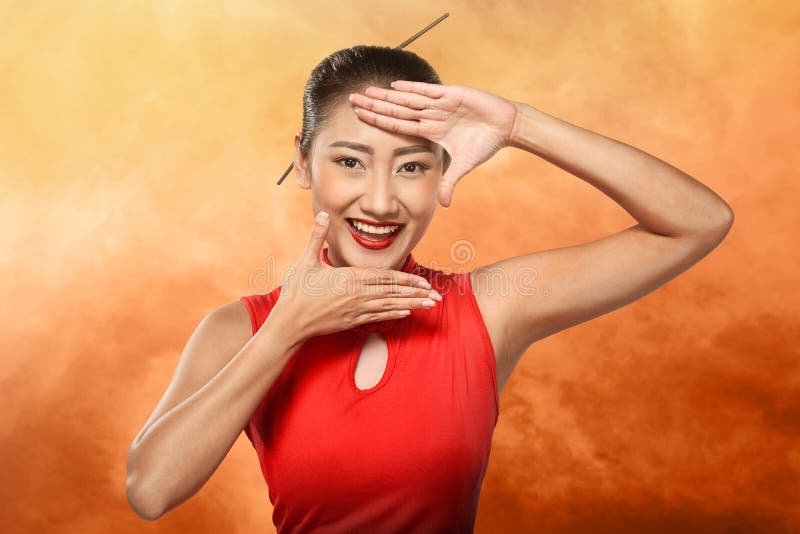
{"x":358,"y":345}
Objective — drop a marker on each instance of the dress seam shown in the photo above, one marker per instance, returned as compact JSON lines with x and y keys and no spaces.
{"x":484,"y":332}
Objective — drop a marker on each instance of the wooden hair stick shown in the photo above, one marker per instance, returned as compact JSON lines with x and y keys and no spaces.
{"x":401,"y":45}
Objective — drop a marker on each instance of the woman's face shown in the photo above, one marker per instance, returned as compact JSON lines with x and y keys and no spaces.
{"x":359,"y":171}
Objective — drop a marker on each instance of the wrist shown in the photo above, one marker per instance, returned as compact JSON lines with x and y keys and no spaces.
{"x":512,"y":135}
{"x":528,"y":123}
{"x":283,"y":330}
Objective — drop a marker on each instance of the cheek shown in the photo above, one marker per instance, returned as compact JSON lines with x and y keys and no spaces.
{"x":421,"y":198}
{"x":430,"y":187}
{"x":329,"y":189}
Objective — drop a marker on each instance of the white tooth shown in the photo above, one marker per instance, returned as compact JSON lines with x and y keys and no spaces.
{"x":374,"y":229}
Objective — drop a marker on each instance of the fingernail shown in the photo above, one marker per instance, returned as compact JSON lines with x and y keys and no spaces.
{"x":355,"y":110}
{"x":428,"y":303}
{"x":391,"y":85}
{"x":350,"y":97}
{"x":322,"y":217}
{"x":435,"y":296}
{"x":424,"y":283}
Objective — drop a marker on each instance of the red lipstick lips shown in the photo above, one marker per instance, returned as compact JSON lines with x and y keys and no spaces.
{"x":372,"y":241}
{"x":375,"y":223}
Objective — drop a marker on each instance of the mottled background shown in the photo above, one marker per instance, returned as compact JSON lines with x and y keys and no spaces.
{"x":140,"y":142}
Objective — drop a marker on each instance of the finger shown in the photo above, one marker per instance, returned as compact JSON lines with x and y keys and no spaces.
{"x":369,"y":276}
{"x":432,"y":90}
{"x":390,"y":124}
{"x":409,"y":100}
{"x":385,"y":108}
{"x":372,"y":317}
{"x":389,"y":304}
{"x":446,"y":194}
{"x":371,"y":292}
{"x":455,"y":172}
{"x":318,"y":233}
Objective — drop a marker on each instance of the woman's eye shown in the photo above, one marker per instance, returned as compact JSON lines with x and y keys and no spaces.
{"x":415,"y":165}
{"x":411,"y":166}
{"x":347,"y":160}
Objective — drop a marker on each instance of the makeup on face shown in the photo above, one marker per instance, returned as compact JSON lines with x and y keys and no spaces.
{"x":369,"y":233}
{"x":373,"y":235}
{"x":380,"y":185}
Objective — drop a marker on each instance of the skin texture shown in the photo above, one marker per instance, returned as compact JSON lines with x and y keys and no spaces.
{"x":379,"y":187}
{"x":680,"y":220}
{"x":222,"y":375}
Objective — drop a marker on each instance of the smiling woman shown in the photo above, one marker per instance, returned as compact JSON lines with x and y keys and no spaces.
{"x":384,"y":426}
{"x":359,"y":172}
{"x":373,"y":409}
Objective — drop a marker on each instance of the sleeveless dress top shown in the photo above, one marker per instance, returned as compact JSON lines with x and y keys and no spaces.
{"x":406,"y":455}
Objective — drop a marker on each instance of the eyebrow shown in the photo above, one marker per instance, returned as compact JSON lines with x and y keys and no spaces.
{"x":397,"y":151}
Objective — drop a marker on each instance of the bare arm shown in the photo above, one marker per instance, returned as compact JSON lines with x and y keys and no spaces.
{"x":222,"y":376}
{"x":663,"y":199}
{"x":680,"y":220}
{"x":224,"y":372}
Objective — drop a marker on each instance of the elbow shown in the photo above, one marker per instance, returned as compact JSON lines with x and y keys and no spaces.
{"x":725,"y":221}
{"x":718,"y":224}
{"x":727,"y":216}
{"x":715,"y":231}
{"x":143,"y":503}
{"x":141,"y":498}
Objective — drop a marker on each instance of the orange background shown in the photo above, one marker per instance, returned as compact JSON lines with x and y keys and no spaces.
{"x":140,"y":143}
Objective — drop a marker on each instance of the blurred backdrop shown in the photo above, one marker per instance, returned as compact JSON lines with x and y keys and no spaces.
{"x":140,"y":142}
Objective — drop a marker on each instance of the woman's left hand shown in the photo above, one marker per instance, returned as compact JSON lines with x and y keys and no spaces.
{"x":472,"y":125}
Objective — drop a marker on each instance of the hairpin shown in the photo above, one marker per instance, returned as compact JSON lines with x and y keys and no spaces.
{"x":401,"y":45}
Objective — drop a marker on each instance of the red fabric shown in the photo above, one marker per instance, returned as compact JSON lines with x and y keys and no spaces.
{"x":408,"y":454}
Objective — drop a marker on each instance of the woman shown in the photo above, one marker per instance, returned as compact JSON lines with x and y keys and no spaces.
{"x":367,"y":383}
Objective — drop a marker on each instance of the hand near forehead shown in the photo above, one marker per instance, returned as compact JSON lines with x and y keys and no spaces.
{"x":472,"y":125}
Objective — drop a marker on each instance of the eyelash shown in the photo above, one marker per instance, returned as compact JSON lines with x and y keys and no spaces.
{"x":421,"y":166}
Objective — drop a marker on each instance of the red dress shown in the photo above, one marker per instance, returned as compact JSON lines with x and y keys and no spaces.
{"x":406,"y":455}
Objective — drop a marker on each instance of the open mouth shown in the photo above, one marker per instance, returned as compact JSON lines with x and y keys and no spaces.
{"x":374,"y":233}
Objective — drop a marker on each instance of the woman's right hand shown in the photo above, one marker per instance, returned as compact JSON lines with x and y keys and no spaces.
{"x":320,"y":299}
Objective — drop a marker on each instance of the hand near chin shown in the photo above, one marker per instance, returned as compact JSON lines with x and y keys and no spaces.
{"x":317,"y":299}
{"x":472,"y":125}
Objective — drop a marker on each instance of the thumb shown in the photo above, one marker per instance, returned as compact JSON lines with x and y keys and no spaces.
{"x":454,"y":173}
{"x":446,"y":187}
{"x":318,"y":233}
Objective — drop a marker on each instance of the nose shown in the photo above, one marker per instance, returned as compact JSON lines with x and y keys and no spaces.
{"x":378,"y":199}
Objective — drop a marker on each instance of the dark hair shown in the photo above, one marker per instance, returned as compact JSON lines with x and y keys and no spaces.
{"x":350,"y":70}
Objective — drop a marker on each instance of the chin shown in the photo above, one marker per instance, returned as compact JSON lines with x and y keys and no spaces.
{"x":354,"y":255}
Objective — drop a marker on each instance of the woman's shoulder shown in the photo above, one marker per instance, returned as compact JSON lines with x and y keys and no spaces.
{"x":258,"y":306}
{"x":231,"y":319}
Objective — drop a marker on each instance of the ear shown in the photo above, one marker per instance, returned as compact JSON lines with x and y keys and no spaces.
{"x":301,"y":164}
